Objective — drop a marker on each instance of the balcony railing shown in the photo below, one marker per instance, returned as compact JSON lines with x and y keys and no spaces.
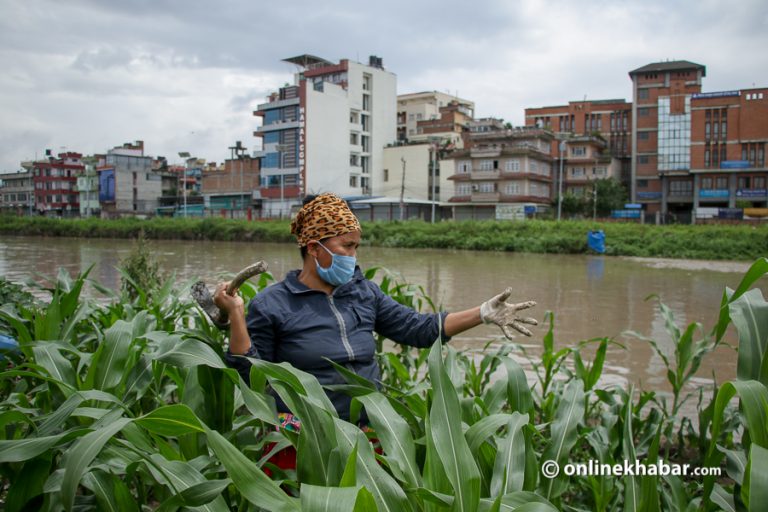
{"x":486,"y":197}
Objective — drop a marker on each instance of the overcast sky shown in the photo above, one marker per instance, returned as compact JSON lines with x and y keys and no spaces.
{"x":186,"y":75}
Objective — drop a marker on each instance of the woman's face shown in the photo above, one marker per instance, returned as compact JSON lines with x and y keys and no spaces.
{"x":343,"y":245}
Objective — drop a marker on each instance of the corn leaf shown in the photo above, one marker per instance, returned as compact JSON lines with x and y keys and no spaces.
{"x":564,"y":434}
{"x":509,"y":467}
{"x":79,"y":456}
{"x":248,"y":478}
{"x":446,"y":430}
{"x":171,"y":420}
{"x":328,"y":499}
{"x":758,"y":478}
{"x":395,"y":436}
{"x":749,"y":314}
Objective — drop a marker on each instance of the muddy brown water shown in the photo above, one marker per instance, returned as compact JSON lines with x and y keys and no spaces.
{"x":591,"y":296}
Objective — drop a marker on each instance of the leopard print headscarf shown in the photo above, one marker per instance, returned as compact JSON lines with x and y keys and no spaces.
{"x":325,"y":216}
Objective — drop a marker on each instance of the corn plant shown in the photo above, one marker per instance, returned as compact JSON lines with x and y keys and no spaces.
{"x":129,"y":406}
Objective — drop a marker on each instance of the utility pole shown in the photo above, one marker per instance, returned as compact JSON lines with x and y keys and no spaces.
{"x":594,"y":200}
{"x":560,"y":182}
{"x":402,"y":191}
{"x":187,"y":156}
{"x":433,"y":160}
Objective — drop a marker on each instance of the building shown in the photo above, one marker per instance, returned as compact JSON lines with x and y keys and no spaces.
{"x":412,"y":166}
{"x":55,"y":182}
{"x":586,"y":158}
{"x":233,"y":190}
{"x":17,"y":193}
{"x":128,"y":183}
{"x":504,"y":174}
{"x":609,"y":120}
{"x":424,"y":114}
{"x":88,"y":186}
{"x":327,"y":132}
{"x":661,"y":136}
{"x":727,"y":156}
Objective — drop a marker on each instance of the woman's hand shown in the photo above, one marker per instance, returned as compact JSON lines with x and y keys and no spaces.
{"x":503,"y":314}
{"x":231,"y":304}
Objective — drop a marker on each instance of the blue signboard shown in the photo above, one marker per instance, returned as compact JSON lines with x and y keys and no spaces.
{"x":633,"y":206}
{"x":107,"y":185}
{"x":720,"y":94}
{"x":730,"y":213}
{"x":735,"y":164}
{"x":529,"y":209}
{"x":713,"y":193}
{"x":625,"y":214}
{"x":649,"y":195}
{"x":755,"y":192}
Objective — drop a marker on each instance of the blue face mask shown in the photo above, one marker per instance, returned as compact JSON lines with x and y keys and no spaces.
{"x":341,"y":270}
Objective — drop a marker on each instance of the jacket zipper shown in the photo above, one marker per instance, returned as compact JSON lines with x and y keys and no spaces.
{"x":342,"y":328}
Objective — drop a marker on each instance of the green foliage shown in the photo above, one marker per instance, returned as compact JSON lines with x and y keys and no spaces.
{"x":140,"y":271}
{"x":116,"y":403}
{"x":718,"y":242}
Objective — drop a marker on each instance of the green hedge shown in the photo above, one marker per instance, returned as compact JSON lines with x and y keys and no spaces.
{"x":678,"y":241}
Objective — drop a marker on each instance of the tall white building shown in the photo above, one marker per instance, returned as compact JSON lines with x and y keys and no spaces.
{"x":326,"y":133}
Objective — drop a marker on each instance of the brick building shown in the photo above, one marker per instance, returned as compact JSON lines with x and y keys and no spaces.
{"x":55,"y":182}
{"x":234,"y":189}
{"x":729,"y":131}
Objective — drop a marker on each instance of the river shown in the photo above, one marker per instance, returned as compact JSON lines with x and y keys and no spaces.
{"x":591,"y":296}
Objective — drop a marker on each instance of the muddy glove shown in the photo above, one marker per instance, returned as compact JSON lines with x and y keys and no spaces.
{"x":498,"y":311}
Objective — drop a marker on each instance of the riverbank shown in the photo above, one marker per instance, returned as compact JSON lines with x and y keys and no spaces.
{"x":712,"y":242}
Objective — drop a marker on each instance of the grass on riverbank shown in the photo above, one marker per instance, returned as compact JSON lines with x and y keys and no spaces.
{"x":714,"y":242}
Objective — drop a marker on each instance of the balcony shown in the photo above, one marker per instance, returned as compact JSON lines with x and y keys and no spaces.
{"x":485,"y":197}
{"x":277,"y":104}
{"x":279,"y":125}
{"x":485,"y":175}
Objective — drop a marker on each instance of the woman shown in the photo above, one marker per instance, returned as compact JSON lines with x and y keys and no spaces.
{"x":328,"y":310}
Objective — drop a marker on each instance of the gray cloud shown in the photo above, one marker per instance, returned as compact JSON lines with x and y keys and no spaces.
{"x":91,"y":74}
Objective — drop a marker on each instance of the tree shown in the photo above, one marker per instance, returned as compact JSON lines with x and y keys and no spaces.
{"x":611,"y":195}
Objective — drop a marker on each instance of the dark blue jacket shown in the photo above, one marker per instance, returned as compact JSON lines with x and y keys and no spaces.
{"x":293,"y":323}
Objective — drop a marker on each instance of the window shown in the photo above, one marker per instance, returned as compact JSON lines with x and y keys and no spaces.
{"x":386,"y":174}
{"x":642,"y":183}
{"x":487,"y":187}
{"x":642,"y":94}
{"x":643,"y":112}
{"x":599,"y":171}
{"x":642,"y":135}
{"x":642,"y":159}
{"x":512,"y":166}
{"x":578,"y":151}
{"x":743,"y":182}
{"x":707,"y":160}
{"x":486,"y":165}
{"x":680,"y":188}
{"x":758,"y":182}
{"x":464,"y":189}
{"x":706,"y":183}
{"x":533,"y":166}
{"x":464,"y":166}
{"x":577,"y":172}
{"x":353,"y":181}
{"x":512,"y":189}
{"x":721,"y":183}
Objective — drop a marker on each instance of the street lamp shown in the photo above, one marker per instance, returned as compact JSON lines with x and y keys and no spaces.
{"x":560,"y":182}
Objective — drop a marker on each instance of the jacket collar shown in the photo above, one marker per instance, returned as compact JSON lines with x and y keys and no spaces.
{"x":296,"y":287}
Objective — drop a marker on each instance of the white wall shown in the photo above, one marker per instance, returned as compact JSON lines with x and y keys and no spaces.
{"x":327,"y":141}
{"x":416,"y":172}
